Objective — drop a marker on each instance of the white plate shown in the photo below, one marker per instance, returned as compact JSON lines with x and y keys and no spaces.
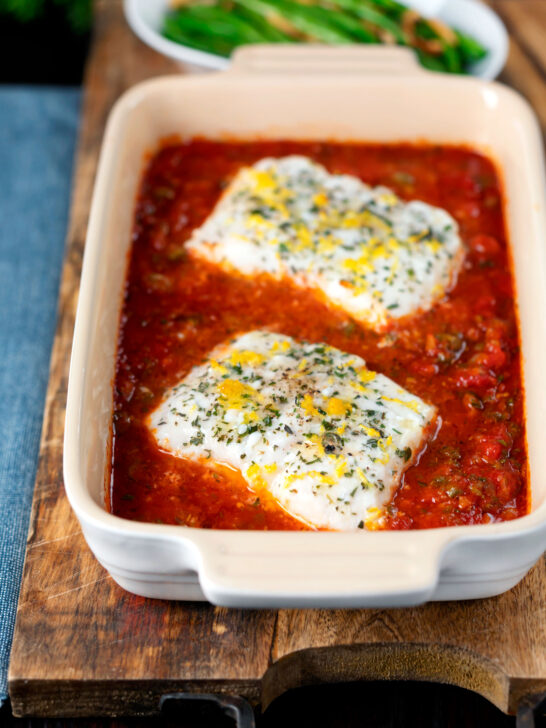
{"x":469,"y":16}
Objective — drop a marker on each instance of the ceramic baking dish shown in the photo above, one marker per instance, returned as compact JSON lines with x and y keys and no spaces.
{"x":304,"y":93}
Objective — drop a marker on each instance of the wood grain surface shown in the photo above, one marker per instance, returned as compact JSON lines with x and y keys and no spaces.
{"x":83,"y":646}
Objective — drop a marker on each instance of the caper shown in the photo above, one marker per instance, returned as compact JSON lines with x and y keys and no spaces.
{"x":331,"y":442}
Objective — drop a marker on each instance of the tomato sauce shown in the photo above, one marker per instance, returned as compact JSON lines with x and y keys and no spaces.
{"x":463,"y":355}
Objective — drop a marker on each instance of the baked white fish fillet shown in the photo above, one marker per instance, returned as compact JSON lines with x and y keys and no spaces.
{"x":327,"y":437}
{"x":362,"y":248}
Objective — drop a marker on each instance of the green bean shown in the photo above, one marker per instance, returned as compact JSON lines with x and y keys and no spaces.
{"x":251,"y":32}
{"x":215,"y":20}
{"x":470,"y":48}
{"x":311,"y":24}
{"x":304,"y":20}
{"x":424,"y":30}
{"x":265,"y":10}
{"x":270,"y":32}
{"x":266,"y":13}
{"x":433,"y":63}
{"x":344,"y":22}
{"x":373,"y":16}
{"x":451,"y":57}
{"x":391,"y":6}
{"x":198,"y":40}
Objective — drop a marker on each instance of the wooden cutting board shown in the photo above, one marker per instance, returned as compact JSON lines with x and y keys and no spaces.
{"x":83,"y":646}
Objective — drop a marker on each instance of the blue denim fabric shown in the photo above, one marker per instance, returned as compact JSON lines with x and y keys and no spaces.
{"x":38,"y":128}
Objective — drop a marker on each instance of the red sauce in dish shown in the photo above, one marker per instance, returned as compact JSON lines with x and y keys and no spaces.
{"x":462,"y":356}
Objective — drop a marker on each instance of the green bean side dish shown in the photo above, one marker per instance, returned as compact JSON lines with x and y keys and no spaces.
{"x":220,"y":26}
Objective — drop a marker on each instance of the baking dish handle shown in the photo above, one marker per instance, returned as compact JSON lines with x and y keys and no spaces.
{"x":323,"y":60}
{"x":298,"y":573}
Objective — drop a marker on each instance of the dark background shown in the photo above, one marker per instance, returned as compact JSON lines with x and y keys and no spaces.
{"x":43,"y":41}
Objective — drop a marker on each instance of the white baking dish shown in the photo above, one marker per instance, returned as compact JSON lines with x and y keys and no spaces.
{"x":304,"y":93}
